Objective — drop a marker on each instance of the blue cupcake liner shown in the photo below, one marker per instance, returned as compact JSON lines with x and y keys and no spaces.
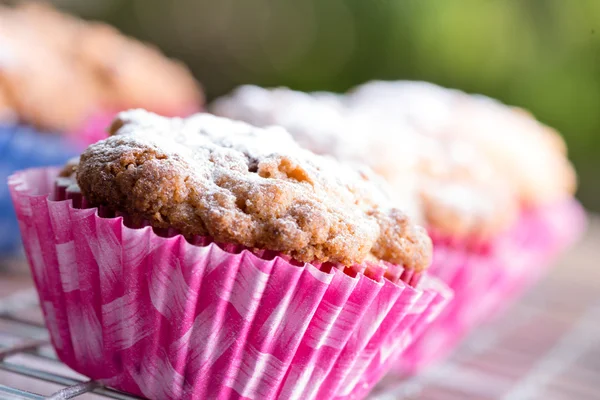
{"x":24,"y":147}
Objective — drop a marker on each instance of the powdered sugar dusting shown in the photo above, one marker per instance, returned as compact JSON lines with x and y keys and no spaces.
{"x":201,"y":139}
{"x":207,"y":175}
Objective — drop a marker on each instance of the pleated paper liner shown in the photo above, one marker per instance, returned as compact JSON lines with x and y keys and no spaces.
{"x":164,"y":318}
{"x":486,"y":279}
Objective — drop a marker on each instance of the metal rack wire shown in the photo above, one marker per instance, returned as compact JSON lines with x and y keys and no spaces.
{"x":26,"y":355}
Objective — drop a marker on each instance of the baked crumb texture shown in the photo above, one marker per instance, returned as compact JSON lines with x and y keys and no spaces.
{"x":464,"y":165}
{"x":256,"y":187}
{"x":56,"y":70}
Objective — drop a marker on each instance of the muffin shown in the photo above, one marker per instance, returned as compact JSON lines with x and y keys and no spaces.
{"x":431,"y":177}
{"x":89,"y":66}
{"x":61,"y":82}
{"x":492,"y":185}
{"x":211,"y":259}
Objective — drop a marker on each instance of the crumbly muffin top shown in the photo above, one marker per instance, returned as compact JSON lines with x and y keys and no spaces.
{"x":530,"y":156}
{"x":429,"y":142}
{"x":56,"y":70}
{"x":212,"y":176}
{"x":321,"y":123}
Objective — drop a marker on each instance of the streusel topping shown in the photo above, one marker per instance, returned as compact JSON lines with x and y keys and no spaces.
{"x":207,"y":175}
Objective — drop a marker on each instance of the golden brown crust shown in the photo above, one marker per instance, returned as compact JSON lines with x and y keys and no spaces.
{"x":58,"y":70}
{"x":69,"y":170}
{"x":401,"y":241}
{"x":239,"y":184}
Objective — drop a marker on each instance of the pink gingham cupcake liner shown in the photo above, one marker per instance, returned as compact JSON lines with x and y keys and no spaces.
{"x":164,"y":318}
{"x":487,"y":279}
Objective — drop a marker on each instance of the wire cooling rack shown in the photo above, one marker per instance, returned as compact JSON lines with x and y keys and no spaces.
{"x":547,"y":346}
{"x":29,"y":368}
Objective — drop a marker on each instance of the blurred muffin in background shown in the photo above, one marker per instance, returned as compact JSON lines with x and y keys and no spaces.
{"x":528,"y":155}
{"x":56,"y":71}
{"x":492,"y":185}
{"x":444,"y":181}
{"x":62,"y":80}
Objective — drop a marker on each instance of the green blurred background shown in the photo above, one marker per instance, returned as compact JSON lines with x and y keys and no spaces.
{"x":543,"y":55}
